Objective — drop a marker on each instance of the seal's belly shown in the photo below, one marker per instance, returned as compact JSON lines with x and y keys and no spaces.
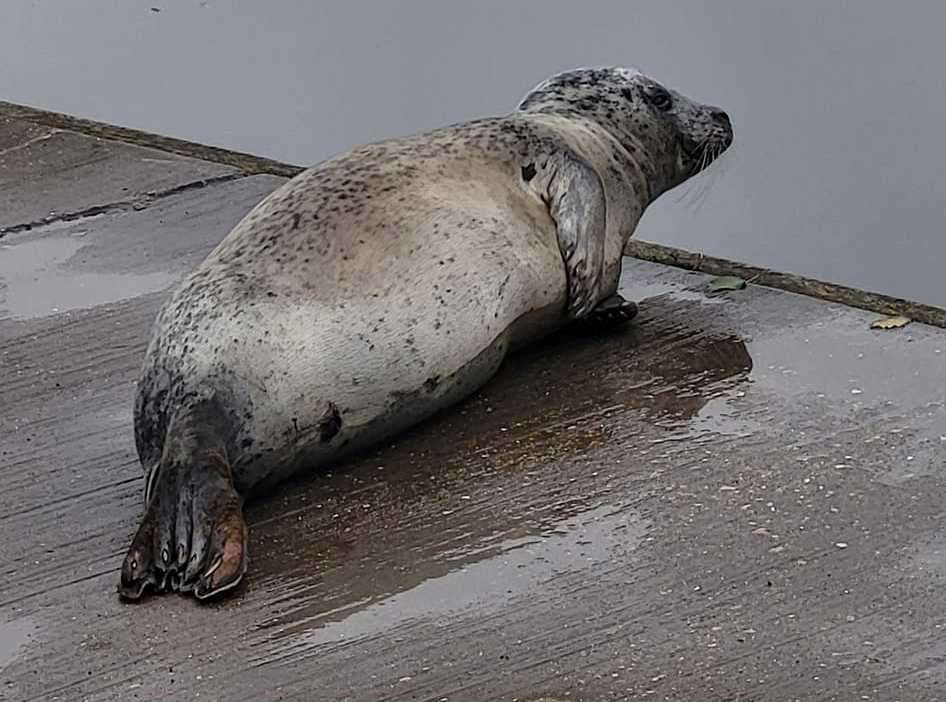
{"x":384,"y":363}
{"x":380,"y":380}
{"x":406,"y":325}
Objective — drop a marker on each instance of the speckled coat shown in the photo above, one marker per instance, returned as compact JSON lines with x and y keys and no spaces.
{"x":389,"y":282}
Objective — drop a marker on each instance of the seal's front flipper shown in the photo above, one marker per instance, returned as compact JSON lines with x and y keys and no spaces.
{"x":193,"y":535}
{"x":577,"y":203}
{"x":613,"y":311}
{"x":610,"y":313}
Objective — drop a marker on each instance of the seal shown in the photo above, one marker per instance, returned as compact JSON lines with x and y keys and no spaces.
{"x":383,"y":285}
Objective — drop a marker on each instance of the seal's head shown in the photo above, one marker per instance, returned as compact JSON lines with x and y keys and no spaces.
{"x":675,"y":136}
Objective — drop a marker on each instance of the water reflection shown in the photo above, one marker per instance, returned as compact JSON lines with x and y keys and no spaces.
{"x":14,"y":636}
{"x":516,"y":568}
{"x":498,"y":496}
{"x":42,"y":275}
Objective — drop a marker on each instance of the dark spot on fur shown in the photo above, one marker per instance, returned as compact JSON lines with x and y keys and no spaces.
{"x":626,"y":92}
{"x":330,"y":423}
{"x":295,"y":220}
{"x":431,"y":383}
{"x":528,"y":172}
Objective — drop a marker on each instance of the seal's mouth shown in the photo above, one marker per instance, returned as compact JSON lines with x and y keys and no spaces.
{"x":698,"y":155}
{"x":700,"y":150}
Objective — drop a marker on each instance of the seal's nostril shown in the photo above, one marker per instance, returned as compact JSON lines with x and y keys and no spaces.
{"x":721,"y":117}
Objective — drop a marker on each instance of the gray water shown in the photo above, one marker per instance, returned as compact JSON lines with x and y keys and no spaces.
{"x":839,"y":108}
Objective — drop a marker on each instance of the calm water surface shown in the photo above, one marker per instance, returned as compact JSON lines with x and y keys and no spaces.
{"x":838,"y":170}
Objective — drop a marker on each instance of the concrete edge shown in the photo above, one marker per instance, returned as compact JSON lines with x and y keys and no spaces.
{"x":248,"y":163}
{"x":789,"y":282}
{"x":647,"y":251}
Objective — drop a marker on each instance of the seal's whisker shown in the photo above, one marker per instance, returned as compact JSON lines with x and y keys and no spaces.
{"x":687,"y":193}
{"x":718,"y":170}
{"x":689,"y":186}
{"x":684,"y":192}
{"x":712,"y":155}
{"x":700,"y":193}
{"x":708,"y":184}
{"x":697,"y":190}
{"x":727,"y":157}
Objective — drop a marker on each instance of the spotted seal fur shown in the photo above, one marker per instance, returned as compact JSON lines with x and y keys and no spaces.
{"x":385,"y":284}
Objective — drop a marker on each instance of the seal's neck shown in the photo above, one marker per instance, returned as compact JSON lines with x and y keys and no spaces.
{"x":650,"y":169}
{"x":623,"y":161}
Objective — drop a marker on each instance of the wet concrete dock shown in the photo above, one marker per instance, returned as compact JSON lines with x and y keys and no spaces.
{"x":739,"y":497}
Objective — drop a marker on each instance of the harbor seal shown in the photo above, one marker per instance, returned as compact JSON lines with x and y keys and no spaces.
{"x":383,"y":285}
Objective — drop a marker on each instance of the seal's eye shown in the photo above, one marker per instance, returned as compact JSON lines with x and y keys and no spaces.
{"x":660,"y":99}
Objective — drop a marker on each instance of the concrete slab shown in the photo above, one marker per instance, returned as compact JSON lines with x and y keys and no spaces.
{"x":16,"y":133}
{"x":120,"y":253}
{"x":47,"y":173}
{"x":738,"y":497}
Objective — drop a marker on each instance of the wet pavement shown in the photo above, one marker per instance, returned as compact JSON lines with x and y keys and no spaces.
{"x":739,"y":496}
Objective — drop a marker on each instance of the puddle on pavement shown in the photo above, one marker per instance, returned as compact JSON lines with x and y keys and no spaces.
{"x":518,"y":567}
{"x":39,"y":275}
{"x":14,"y":635}
{"x":837,"y":360}
{"x":721,"y":416}
{"x":672,"y":373}
{"x":671,"y":290}
{"x":528,"y":439}
{"x":920,"y":451}
{"x":698,"y":388}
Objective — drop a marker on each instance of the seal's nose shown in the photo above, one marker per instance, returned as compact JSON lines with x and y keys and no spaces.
{"x":721,"y":117}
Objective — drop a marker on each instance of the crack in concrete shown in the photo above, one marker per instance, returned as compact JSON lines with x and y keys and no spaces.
{"x":137,"y":203}
{"x":29,"y":142}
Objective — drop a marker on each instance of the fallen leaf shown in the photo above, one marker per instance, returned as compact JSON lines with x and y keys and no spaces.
{"x":890,"y":323}
{"x":726,"y":282}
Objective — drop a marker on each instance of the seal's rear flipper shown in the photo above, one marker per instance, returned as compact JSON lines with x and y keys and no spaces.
{"x":192,"y":537}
